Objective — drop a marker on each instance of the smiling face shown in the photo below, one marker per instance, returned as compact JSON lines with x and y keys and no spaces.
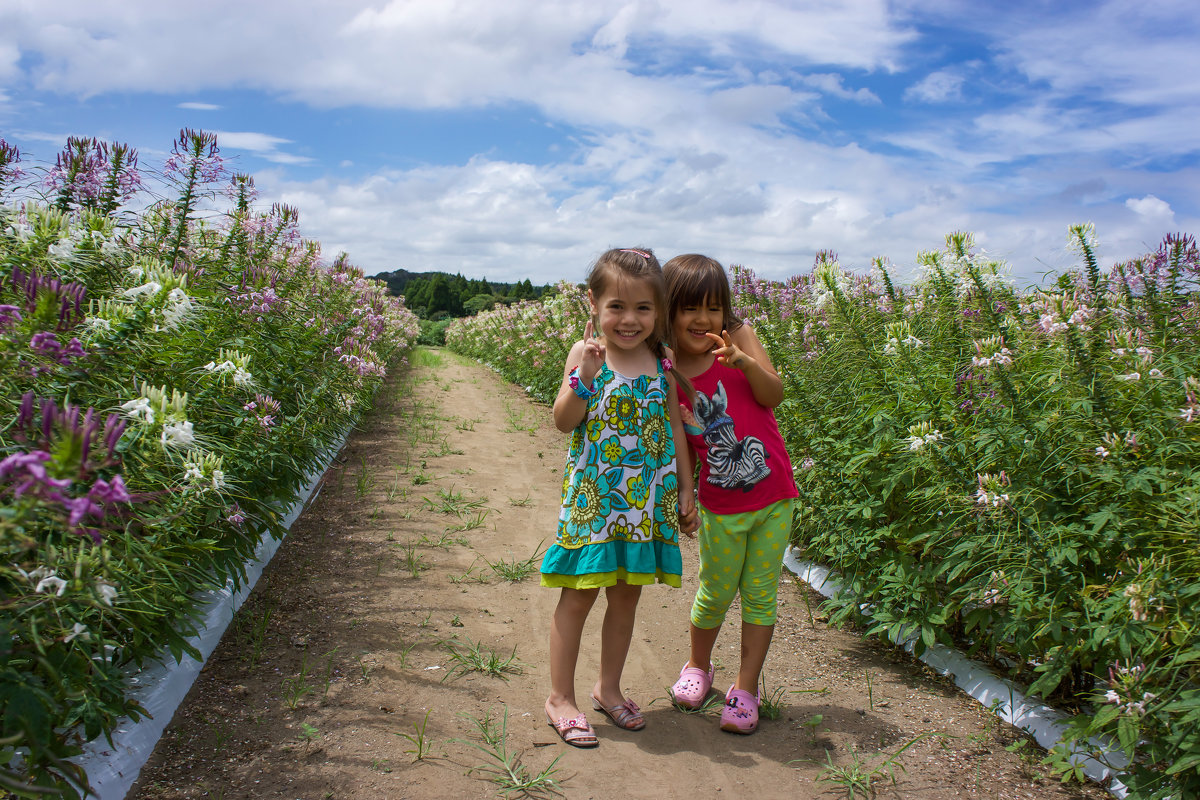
{"x":625,"y":312}
{"x":692,"y":322}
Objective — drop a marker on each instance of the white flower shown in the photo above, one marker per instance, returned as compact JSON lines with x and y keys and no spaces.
{"x":193,"y":473}
{"x":61,"y":250}
{"x":79,"y":630}
{"x":35,"y":574}
{"x":107,"y":592}
{"x":1111,"y":696}
{"x":1156,"y":373}
{"x":178,"y":434}
{"x":1133,"y":376}
{"x":55,"y":583}
{"x":150,"y":288}
{"x":242,"y":378}
{"x":916,"y":442}
{"x":139,"y":409}
{"x":1102,"y":452}
{"x":178,"y":307}
{"x":1187,"y":414}
{"x":218,"y":480}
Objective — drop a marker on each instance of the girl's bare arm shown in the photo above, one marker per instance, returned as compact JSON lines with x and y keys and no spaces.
{"x":570,"y":408}
{"x":743,"y":350}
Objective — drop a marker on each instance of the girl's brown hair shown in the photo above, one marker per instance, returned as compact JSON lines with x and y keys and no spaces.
{"x":636,"y":263}
{"x":691,"y":279}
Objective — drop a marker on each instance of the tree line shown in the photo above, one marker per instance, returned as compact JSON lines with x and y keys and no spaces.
{"x":440,"y":295}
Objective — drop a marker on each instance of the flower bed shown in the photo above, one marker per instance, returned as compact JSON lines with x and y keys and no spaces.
{"x":1011,"y":472}
{"x":526,"y":342}
{"x":167,"y":381}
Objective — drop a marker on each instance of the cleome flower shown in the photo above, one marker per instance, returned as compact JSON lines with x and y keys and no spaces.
{"x":1124,"y":686}
{"x":105,"y":591}
{"x":139,"y":409}
{"x":232,"y":364}
{"x":178,"y":433}
{"x":52,"y":583}
{"x":990,"y":492}
{"x":899,"y":335}
{"x":921,"y":434}
{"x":203,"y":471}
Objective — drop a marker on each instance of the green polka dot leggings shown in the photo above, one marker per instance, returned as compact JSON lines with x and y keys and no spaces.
{"x":741,"y":553}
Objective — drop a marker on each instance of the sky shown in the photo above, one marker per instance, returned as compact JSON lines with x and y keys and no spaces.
{"x":519,"y":139}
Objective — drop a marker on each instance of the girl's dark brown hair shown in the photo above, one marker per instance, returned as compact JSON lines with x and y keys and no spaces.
{"x":693,"y":278}
{"x":636,"y":263}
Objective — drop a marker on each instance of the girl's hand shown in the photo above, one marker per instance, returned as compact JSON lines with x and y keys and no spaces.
{"x":727,"y":352}
{"x":593,"y":355}
{"x":689,"y":517}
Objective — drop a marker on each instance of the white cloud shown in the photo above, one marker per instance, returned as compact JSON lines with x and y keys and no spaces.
{"x":692,"y":126}
{"x":260,"y":144}
{"x":943,"y":86}
{"x":833,"y":84}
{"x":1151,"y":207}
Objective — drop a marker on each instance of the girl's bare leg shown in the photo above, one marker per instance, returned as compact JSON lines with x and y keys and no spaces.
{"x":756,"y":640}
{"x":566,"y":629}
{"x":615,"y":637}
{"x":703,"y":642}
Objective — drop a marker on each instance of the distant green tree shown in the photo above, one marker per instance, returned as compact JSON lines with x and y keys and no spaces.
{"x":480,"y":302}
{"x":440,"y":295}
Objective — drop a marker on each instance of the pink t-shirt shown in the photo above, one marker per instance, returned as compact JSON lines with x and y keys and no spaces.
{"x":744,"y":465}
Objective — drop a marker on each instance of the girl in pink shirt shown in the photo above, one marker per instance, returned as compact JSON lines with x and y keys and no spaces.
{"x":746,"y":490}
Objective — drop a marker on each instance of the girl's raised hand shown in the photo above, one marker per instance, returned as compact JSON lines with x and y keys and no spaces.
{"x":593,"y":354}
{"x":726,"y":351}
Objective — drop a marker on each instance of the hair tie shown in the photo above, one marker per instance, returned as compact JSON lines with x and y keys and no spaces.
{"x":639,"y":252}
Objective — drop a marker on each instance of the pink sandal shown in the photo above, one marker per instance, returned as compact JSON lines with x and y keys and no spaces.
{"x":575,"y":732}
{"x":625,"y":715}
{"x":693,"y":686}
{"x":740,"y":714}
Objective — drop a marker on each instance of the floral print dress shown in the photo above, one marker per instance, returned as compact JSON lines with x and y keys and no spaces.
{"x":619,"y":519}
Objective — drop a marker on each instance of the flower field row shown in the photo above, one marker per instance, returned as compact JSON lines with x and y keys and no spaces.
{"x":526,"y":342}
{"x":167,"y":380}
{"x":1013,"y":472}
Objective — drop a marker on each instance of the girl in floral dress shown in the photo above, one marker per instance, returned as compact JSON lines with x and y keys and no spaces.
{"x":624,"y":501}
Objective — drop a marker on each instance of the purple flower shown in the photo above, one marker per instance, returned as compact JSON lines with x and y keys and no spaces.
{"x":9,"y":156}
{"x":9,"y":316}
{"x":113,"y":491}
{"x":79,"y":507}
{"x":45,"y":343}
{"x":30,"y":468}
{"x":73,"y":351}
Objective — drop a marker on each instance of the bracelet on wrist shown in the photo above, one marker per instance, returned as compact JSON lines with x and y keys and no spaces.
{"x":577,"y":386}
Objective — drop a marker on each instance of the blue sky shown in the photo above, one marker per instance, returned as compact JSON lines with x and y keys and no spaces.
{"x":521,"y":139}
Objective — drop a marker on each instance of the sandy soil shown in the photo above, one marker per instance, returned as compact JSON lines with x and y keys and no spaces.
{"x":346,"y":676}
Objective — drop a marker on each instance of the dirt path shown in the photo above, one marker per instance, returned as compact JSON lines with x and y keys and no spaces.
{"x":323,"y":682}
